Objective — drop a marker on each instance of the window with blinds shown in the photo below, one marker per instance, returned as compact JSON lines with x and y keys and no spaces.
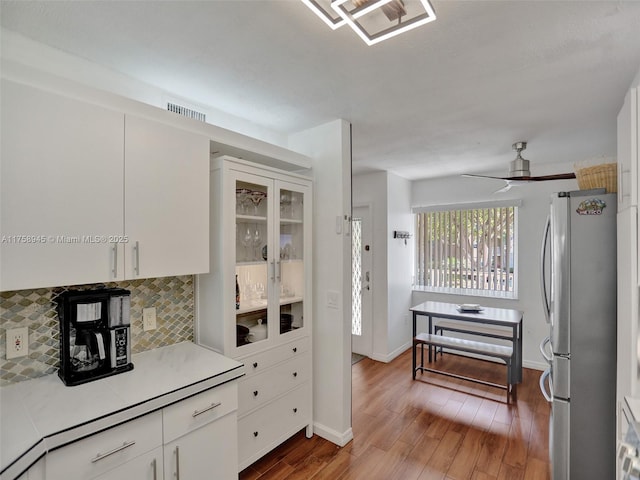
{"x":470,"y":251}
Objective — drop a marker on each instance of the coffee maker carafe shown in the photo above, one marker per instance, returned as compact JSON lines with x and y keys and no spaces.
{"x":95,"y":339}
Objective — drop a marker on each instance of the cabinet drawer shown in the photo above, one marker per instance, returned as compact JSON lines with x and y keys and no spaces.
{"x":264,"y":429}
{"x":261,"y":361}
{"x":260,"y":388}
{"x":189,"y":414}
{"x":99,"y":453}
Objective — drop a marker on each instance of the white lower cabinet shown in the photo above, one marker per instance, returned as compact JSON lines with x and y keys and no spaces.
{"x":145,"y":467}
{"x":207,"y":452}
{"x":274,"y":399}
{"x":200,"y":436}
{"x":260,"y":431}
{"x":99,"y":453}
{"x":195,"y":438}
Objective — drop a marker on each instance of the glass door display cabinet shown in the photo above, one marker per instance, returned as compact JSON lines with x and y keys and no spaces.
{"x":259,"y":285}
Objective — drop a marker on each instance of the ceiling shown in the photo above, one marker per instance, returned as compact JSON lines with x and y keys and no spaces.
{"x":446,"y":98}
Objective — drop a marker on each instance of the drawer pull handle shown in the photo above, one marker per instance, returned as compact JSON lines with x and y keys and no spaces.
{"x":295,"y":410}
{"x":210,"y":407}
{"x":255,"y":434}
{"x":295,"y":374}
{"x":154,"y":466}
{"x":255,"y":364}
{"x":100,"y":456}
{"x":255,"y":393}
{"x":295,"y":349}
{"x":177,"y":462}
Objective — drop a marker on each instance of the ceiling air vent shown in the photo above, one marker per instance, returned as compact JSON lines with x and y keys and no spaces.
{"x":186,"y":112}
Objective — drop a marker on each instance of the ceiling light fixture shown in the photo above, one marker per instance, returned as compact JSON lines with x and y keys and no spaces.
{"x":371,"y":19}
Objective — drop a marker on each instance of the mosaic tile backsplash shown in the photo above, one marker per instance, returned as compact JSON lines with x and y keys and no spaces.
{"x":171,"y":296}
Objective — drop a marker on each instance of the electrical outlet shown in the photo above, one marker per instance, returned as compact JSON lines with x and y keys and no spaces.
{"x":17,"y":342}
{"x":149,"y":319}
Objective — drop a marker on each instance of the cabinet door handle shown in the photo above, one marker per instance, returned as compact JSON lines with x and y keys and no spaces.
{"x":255,"y":364}
{"x":295,"y":349}
{"x":255,"y":393}
{"x":206,"y":409}
{"x":295,"y":374}
{"x":279,"y":268}
{"x":136,"y":251}
{"x":255,"y":434}
{"x":154,"y":467}
{"x":100,"y":456}
{"x":273,"y":271}
{"x":295,"y":410}
{"x":177,"y":462}
{"x":114,"y":270}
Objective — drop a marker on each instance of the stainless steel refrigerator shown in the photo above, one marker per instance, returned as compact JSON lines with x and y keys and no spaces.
{"x":578,"y":272}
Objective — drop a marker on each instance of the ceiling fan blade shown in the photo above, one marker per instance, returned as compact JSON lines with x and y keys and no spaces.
{"x":558,"y":176}
{"x":541,"y":178}
{"x":506,"y":188}
{"x":471,"y":175}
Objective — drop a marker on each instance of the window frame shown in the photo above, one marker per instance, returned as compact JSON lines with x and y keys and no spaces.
{"x":471,"y":292}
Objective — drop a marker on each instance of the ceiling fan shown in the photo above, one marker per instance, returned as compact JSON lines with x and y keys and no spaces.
{"x":519,"y":173}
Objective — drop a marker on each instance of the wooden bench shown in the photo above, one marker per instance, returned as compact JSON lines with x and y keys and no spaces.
{"x":469,"y":329}
{"x":501,"y":352}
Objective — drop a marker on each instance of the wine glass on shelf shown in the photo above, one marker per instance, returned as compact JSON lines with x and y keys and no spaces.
{"x":247,"y":241}
{"x":285,"y":204}
{"x":242,"y":195}
{"x":257,"y":240}
{"x":256,"y":197}
{"x":295,"y":203}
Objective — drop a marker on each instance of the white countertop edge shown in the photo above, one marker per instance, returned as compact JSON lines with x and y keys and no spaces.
{"x":11,"y":469}
{"x":60,"y":439}
{"x":25,"y":461}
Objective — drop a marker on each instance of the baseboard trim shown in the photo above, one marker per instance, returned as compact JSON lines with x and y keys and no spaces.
{"x":340,"y":439}
{"x":390,"y":356}
{"x":535,"y":365}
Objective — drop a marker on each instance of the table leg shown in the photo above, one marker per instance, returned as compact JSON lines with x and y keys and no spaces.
{"x":413,"y":371}
{"x":430,"y":333}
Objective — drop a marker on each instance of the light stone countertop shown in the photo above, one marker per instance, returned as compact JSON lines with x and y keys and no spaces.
{"x":40,"y":415}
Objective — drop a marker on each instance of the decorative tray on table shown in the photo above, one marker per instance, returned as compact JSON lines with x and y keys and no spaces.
{"x":470,"y":307}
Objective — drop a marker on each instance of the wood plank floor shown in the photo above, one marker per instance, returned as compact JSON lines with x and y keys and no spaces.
{"x":434,"y":428}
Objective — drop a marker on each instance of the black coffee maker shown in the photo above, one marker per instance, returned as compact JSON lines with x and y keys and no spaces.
{"x":95,"y":339}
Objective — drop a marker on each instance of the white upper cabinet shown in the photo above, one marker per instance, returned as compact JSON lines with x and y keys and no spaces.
{"x":61,"y":189}
{"x":93,"y":195}
{"x":166,"y":200}
{"x":258,"y":293}
{"x":628,"y":151}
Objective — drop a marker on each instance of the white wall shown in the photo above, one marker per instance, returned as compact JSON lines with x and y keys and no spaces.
{"x":389,"y":197}
{"x":329,"y":146}
{"x":22,"y":50}
{"x":399,"y":266}
{"x":532,"y":217}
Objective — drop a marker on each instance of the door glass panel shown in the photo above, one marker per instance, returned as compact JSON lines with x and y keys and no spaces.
{"x":291,"y":265}
{"x":251,"y":243}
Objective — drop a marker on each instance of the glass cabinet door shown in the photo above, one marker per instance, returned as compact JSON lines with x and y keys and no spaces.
{"x":290,"y":259}
{"x":252,"y":244}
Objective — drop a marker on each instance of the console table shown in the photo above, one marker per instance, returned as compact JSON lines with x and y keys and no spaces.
{"x":501,"y":317}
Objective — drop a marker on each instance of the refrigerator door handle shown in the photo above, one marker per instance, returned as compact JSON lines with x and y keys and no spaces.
{"x":543,"y":350}
{"x":543,"y":280}
{"x":548,"y":394}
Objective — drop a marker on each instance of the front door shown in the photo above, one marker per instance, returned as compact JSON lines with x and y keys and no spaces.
{"x":361,"y":282}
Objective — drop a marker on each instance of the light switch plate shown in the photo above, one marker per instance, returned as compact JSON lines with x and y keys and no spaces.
{"x":17,"y":342}
{"x":333,"y":299}
{"x":149,"y":319}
